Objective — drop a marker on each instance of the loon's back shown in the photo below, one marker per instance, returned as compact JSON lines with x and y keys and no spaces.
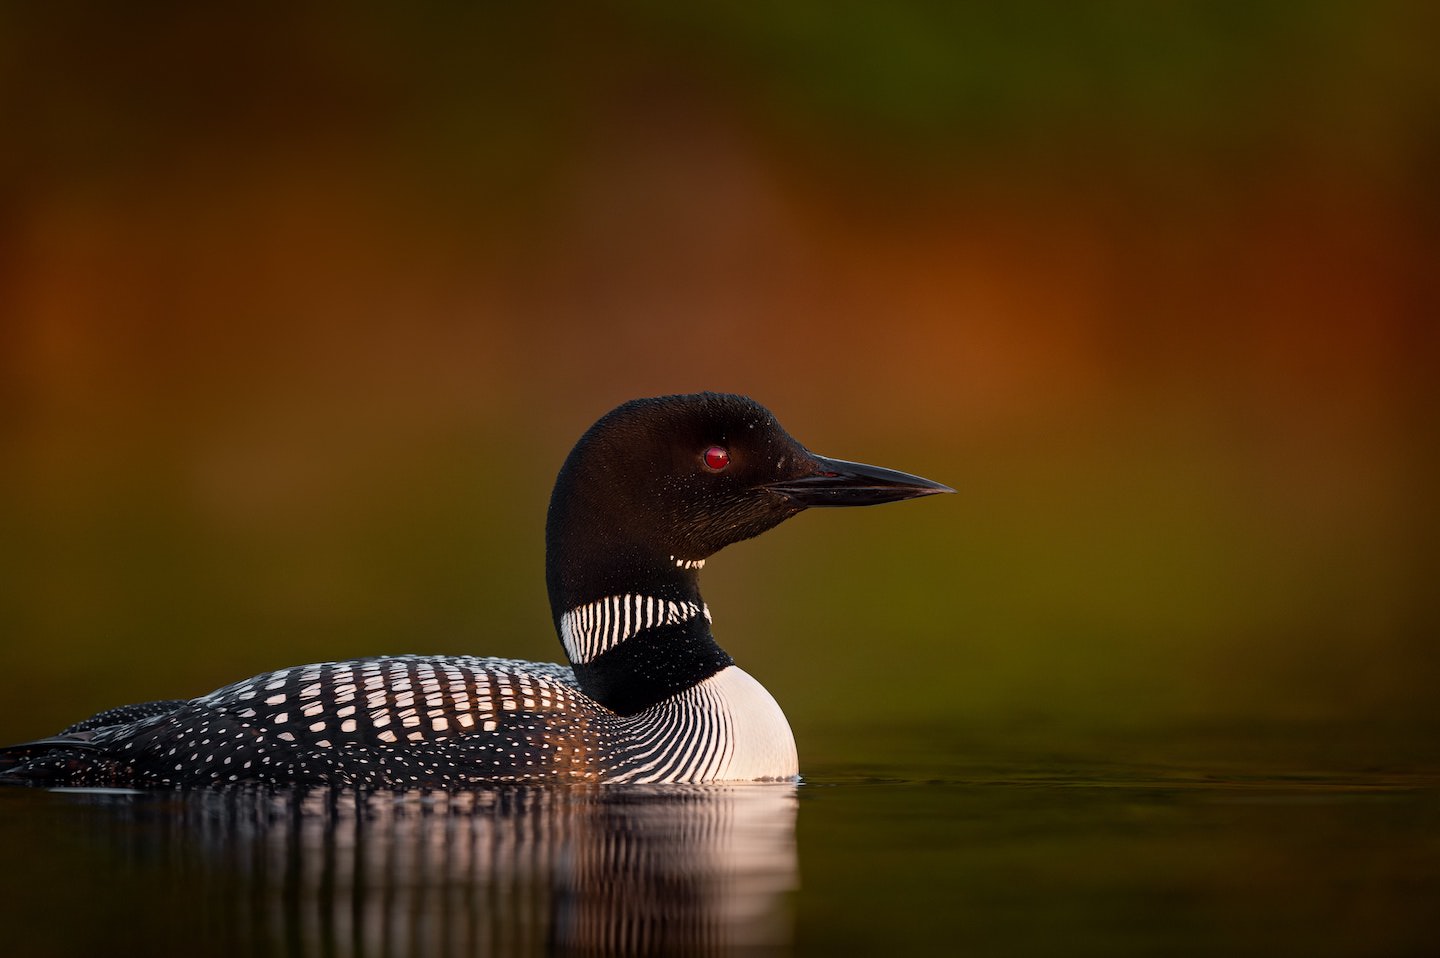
{"x":649,"y":492}
{"x":391,"y":722}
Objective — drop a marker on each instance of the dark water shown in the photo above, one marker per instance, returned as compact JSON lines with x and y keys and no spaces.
{"x":1059,"y":858}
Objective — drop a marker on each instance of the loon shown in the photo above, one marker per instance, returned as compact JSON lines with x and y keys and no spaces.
{"x":648,"y":494}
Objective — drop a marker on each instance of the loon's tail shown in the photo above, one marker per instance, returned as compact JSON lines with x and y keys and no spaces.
{"x":80,"y":754}
{"x":49,"y":761}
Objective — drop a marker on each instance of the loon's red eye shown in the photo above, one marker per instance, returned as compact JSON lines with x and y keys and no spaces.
{"x":717,"y":458}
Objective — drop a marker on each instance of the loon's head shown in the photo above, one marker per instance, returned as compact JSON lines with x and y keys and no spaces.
{"x":657,"y":486}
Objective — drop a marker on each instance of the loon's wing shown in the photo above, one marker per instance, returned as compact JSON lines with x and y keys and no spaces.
{"x":401,"y":721}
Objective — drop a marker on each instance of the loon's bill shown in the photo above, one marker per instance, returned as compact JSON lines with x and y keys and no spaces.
{"x":836,"y":482}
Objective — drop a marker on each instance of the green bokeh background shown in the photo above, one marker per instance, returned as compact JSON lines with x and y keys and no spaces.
{"x":302,"y":310}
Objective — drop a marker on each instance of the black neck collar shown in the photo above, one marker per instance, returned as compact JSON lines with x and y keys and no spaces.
{"x":652,"y":665}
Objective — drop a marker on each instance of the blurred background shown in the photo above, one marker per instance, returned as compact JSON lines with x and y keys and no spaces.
{"x":300,"y":312}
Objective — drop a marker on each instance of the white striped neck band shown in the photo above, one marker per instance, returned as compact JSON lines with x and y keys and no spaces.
{"x":596,"y":627}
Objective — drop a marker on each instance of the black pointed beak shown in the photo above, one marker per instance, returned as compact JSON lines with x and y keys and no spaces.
{"x":835,"y":482}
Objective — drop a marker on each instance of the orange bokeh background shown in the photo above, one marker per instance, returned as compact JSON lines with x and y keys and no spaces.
{"x":301,"y":314}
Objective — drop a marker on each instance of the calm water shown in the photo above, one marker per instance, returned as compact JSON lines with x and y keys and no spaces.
{"x":1052,"y":856}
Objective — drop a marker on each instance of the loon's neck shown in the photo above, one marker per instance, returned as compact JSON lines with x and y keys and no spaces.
{"x":634,"y":626}
{"x":633,"y":651}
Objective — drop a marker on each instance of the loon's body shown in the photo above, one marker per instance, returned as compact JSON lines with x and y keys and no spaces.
{"x":649,"y":492}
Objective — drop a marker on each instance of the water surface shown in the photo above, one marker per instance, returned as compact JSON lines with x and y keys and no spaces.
{"x":1051,"y":855}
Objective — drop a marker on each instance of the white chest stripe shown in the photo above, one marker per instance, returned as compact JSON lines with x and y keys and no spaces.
{"x":591,"y":629}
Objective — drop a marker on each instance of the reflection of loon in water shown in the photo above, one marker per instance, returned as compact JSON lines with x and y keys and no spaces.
{"x":499,"y":871}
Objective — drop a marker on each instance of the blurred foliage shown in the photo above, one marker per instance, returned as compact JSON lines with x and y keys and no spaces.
{"x":303,"y":308}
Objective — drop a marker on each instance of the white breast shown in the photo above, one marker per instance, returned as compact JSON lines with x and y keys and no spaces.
{"x":726,"y":728}
{"x":761,"y":744}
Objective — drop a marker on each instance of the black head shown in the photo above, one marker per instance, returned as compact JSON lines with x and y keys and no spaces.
{"x":659,"y":484}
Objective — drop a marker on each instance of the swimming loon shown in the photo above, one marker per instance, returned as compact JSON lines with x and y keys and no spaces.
{"x":648,"y":494}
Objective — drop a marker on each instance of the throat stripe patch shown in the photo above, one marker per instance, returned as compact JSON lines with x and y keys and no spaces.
{"x":596,"y":627}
